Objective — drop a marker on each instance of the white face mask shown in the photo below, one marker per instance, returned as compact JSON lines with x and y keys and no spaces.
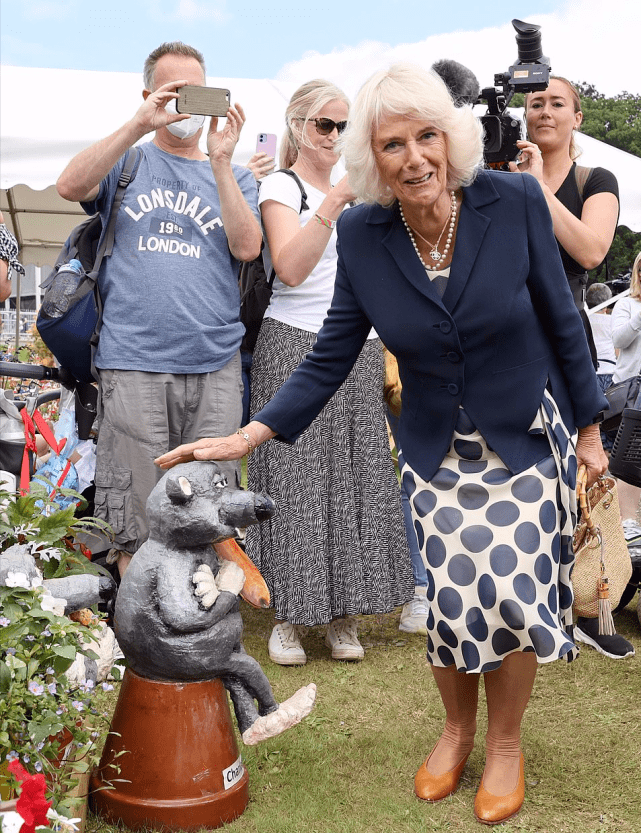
{"x":186,"y":128}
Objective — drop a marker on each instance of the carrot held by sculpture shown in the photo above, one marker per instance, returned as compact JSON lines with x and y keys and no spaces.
{"x":255,"y":591}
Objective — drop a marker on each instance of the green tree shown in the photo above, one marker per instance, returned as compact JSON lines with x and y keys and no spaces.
{"x":625,"y":247}
{"x":616,"y":121}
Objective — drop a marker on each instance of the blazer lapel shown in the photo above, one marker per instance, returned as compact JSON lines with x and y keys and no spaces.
{"x":397,"y":242}
{"x":472,"y":227}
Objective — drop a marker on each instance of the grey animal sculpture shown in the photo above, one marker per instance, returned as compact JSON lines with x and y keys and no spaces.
{"x":177,"y":611}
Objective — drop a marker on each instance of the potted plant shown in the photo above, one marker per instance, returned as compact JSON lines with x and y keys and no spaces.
{"x":46,"y":725}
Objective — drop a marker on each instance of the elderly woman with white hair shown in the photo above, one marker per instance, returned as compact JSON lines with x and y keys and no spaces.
{"x":458,"y":270}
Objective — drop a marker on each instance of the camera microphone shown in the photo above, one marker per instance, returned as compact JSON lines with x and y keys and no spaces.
{"x":459,"y":80}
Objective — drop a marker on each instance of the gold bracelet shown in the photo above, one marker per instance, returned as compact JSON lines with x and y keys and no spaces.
{"x":250,"y":443}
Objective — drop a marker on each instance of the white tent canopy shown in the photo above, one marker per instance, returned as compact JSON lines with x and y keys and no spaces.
{"x":49,"y":115}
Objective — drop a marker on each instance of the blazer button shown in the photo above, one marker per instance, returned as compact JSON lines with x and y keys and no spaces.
{"x":453,"y":357}
{"x":445,"y":326}
{"x":453,"y":389}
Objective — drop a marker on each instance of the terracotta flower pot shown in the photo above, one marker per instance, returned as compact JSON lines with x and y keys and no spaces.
{"x":181,"y":769}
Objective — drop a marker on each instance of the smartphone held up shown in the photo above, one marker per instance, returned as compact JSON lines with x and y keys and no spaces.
{"x":266,"y":143}
{"x":202,"y":101}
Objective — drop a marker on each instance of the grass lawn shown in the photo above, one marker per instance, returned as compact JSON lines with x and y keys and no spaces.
{"x":349,"y":767}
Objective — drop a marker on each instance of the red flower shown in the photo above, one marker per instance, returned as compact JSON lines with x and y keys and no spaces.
{"x":31,"y":804}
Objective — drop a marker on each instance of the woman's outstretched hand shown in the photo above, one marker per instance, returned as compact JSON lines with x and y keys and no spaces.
{"x":232,"y":447}
{"x":210,"y":448}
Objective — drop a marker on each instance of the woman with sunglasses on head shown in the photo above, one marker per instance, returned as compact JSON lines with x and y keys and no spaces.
{"x":337,"y":545}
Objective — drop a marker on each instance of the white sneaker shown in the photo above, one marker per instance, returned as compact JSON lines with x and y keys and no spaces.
{"x":414,"y":615}
{"x":284,"y":645}
{"x":341,"y":637}
{"x":631,"y":531}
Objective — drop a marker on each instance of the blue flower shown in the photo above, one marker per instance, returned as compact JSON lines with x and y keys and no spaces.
{"x":12,"y":756}
{"x":36,"y":688}
{"x":78,"y":706}
{"x":4,"y":621}
{"x":107,"y":687}
{"x":52,"y":688}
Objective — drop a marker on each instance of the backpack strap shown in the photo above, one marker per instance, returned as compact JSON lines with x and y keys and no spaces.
{"x":106,"y":245}
{"x":303,"y":207}
{"x":127,"y":175}
{"x":303,"y":195}
{"x":581,"y":176}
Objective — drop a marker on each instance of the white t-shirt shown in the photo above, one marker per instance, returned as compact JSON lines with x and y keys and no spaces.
{"x":602,"y":333}
{"x":304,"y":306}
{"x":626,"y":337}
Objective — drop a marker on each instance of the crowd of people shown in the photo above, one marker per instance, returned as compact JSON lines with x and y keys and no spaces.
{"x":474,"y":281}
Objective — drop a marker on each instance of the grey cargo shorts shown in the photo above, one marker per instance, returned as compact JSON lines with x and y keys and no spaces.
{"x":144,"y":415}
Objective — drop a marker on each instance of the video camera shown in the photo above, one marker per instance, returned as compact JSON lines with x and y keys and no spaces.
{"x":530,"y":73}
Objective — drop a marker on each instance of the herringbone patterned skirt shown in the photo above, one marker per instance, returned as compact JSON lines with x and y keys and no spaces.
{"x":337,"y":544}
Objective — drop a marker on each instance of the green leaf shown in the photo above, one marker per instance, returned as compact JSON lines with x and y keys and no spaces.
{"x":55,"y":526}
{"x":66,"y":651}
{"x":32,"y":668}
{"x":5,"y":677}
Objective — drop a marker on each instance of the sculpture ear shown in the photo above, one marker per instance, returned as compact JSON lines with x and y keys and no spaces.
{"x":179,"y":489}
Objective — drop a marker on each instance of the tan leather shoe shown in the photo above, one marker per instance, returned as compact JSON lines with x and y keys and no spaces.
{"x":493,"y":809}
{"x":435,"y":787}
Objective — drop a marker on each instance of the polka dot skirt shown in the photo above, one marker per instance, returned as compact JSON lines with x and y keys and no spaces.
{"x":497,"y":549}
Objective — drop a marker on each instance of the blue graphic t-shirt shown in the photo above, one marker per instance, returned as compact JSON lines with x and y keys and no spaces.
{"x":170,"y":288}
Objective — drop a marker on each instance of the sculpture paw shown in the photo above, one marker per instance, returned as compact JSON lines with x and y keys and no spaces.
{"x":230,"y":577}
{"x":206,"y":588}
{"x":288,"y":714}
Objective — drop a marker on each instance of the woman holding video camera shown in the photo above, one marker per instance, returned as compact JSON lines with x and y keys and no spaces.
{"x":584,"y":204}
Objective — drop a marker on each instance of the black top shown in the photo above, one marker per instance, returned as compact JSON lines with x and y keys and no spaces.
{"x":599,"y":181}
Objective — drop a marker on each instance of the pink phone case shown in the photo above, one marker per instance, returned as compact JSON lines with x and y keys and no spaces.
{"x":266,"y":143}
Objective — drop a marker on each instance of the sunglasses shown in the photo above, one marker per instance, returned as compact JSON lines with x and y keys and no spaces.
{"x":325,"y":126}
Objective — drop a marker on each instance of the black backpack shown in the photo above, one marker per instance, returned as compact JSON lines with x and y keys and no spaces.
{"x":256,"y":287}
{"x":73,"y":336}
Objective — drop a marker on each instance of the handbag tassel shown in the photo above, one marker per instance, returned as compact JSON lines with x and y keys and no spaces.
{"x":606,"y":622}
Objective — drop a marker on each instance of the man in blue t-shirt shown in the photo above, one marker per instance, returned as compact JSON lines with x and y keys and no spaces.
{"x":168,"y":355}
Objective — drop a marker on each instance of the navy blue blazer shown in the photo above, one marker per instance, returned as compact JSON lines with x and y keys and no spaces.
{"x":505,"y":328}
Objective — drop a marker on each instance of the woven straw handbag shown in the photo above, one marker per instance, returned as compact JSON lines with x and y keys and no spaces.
{"x":602,"y":565}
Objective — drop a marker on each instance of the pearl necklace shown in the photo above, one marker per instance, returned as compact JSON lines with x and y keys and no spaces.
{"x":436,"y":256}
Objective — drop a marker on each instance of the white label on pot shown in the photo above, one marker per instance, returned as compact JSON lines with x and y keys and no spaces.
{"x":233,"y":773}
